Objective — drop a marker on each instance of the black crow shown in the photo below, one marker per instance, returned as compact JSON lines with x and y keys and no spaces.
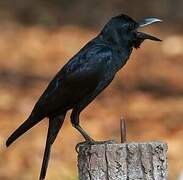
{"x":83,"y":77}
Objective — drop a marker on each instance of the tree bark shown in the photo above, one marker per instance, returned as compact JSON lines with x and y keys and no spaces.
{"x":127,"y":161}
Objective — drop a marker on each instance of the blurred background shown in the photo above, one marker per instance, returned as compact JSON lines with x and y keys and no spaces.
{"x":38,"y":37}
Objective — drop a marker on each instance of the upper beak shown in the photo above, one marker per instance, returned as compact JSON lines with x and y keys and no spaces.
{"x":146,"y":22}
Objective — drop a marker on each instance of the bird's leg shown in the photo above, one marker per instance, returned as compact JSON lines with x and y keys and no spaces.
{"x":84,"y":134}
{"x":89,"y":140}
{"x":75,"y":123}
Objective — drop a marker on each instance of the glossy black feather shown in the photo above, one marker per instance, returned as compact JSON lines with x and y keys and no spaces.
{"x":81,"y":79}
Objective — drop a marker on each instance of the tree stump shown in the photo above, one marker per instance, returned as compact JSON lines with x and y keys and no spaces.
{"x":126,"y":161}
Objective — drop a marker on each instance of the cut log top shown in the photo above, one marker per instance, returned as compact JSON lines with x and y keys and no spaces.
{"x":127,"y":161}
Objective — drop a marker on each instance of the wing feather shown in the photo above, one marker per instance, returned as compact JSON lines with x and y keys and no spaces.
{"x":77,"y":78}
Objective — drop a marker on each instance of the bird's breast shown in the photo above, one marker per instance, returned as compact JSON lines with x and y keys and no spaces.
{"x":121,"y":57}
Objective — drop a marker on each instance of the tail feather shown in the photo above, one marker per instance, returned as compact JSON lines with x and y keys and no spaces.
{"x":54,"y":126}
{"x":28,"y":124}
{"x":45,"y":160}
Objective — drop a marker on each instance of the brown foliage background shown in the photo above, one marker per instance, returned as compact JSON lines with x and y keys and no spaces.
{"x":38,"y":37}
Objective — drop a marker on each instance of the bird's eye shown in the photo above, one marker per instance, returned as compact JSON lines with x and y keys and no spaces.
{"x":131,"y":26}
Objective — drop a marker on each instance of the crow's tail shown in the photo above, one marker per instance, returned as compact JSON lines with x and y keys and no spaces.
{"x":29,"y":123}
{"x":54,"y":126}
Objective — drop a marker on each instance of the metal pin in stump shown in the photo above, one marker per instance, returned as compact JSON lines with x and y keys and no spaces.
{"x":123,"y":130}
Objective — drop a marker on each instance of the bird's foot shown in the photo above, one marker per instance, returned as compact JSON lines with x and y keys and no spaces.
{"x":84,"y":143}
{"x":92,"y":142}
{"x":105,"y":142}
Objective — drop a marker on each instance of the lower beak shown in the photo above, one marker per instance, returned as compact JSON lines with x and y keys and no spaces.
{"x":143,"y":36}
{"x":146,"y":22}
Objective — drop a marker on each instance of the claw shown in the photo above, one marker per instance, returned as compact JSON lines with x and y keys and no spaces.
{"x":84,"y":143}
{"x":92,"y":142}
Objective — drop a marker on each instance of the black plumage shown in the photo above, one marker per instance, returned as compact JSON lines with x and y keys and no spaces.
{"x":81,"y":79}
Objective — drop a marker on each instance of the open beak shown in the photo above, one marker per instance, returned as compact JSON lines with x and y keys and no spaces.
{"x":146,"y":22}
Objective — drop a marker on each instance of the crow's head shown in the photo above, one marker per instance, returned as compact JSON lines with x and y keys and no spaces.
{"x":122,"y":30}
